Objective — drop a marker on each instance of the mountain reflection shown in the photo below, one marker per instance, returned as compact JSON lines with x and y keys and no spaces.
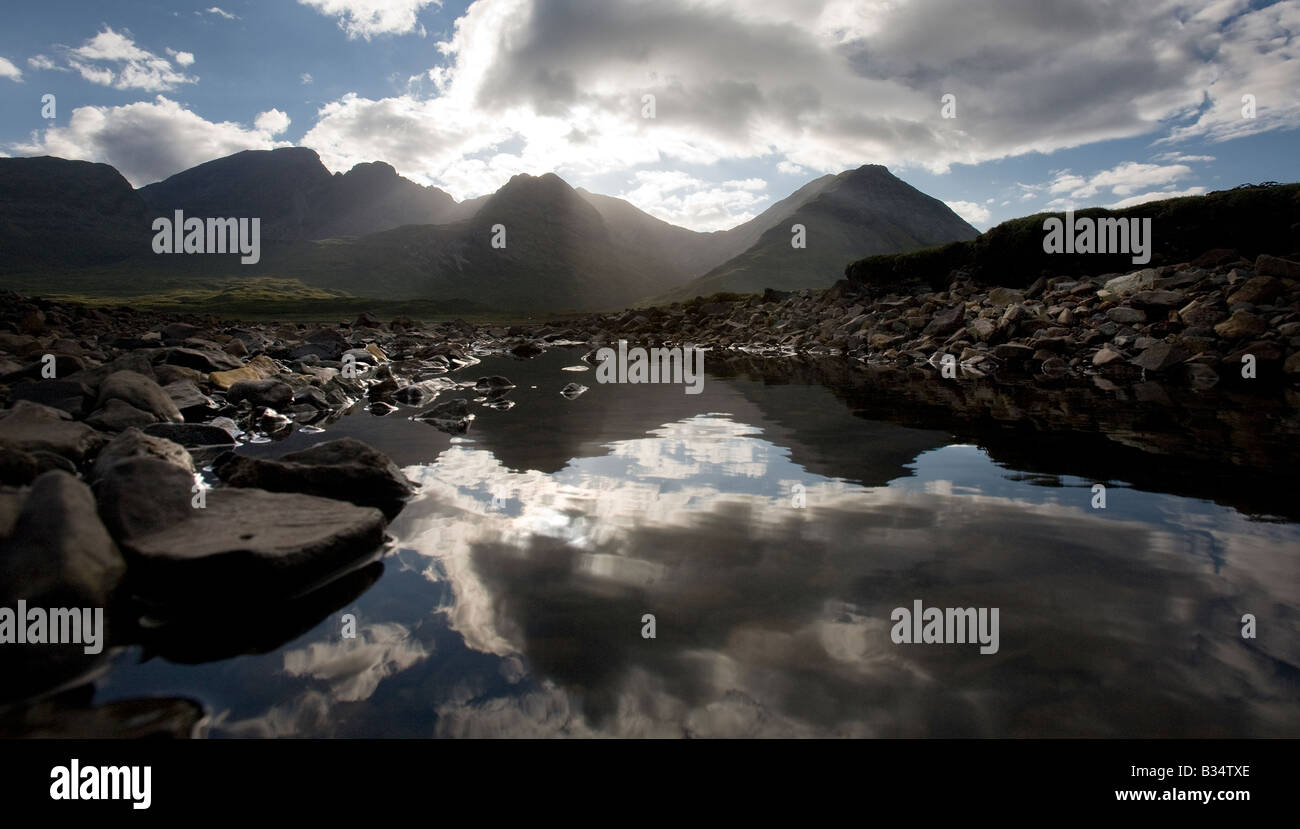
{"x":770,"y":527}
{"x":774,"y":620}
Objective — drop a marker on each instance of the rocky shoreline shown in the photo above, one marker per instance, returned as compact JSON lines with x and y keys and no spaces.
{"x":109,"y":417}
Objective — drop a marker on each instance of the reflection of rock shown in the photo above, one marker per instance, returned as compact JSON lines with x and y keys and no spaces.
{"x":71,"y":716}
{"x":451,"y":416}
{"x":572,"y":391}
{"x":257,"y":628}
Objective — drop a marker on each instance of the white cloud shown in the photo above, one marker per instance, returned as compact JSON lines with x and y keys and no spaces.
{"x":42,"y":62}
{"x":976,"y":214}
{"x":111,"y":58}
{"x":216,"y":10}
{"x":367,"y":18}
{"x":305,"y":78}
{"x":271,"y":122}
{"x":684,"y":200}
{"x":1156,"y":196}
{"x":148,"y":141}
{"x":8,"y":70}
{"x":1184,"y":158}
{"x":1121,"y":180}
{"x":788,"y":169}
{"x":182,"y":58}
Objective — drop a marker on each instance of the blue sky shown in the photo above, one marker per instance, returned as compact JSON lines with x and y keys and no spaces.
{"x":1057,"y":103}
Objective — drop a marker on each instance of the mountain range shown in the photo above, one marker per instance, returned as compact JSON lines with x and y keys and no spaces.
{"x":370,"y":232}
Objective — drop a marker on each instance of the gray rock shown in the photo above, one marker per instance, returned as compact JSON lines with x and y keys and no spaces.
{"x":141,"y":392}
{"x":1126,"y":316}
{"x":248,"y":543}
{"x":1161,"y":357}
{"x":67,"y":395}
{"x":134,"y":443}
{"x":193,"y":403}
{"x":1241,"y":324}
{"x":204,"y":360}
{"x":946,"y":322}
{"x":345,"y":469}
{"x":272,"y":393}
{"x":191,"y":434}
{"x":32,"y":427}
{"x":117,"y":415}
{"x":1259,"y":290}
{"x":1143,"y":280}
{"x":59,"y":554}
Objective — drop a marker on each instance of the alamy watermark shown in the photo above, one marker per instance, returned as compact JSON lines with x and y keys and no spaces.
{"x":56,"y":626}
{"x":945,"y":626}
{"x":653,"y":365}
{"x":1105,"y":235}
{"x":195,"y":235}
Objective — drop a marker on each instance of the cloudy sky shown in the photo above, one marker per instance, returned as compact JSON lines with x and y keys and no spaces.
{"x":1056,"y":102}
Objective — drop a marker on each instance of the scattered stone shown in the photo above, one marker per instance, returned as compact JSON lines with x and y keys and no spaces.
{"x":141,"y":392}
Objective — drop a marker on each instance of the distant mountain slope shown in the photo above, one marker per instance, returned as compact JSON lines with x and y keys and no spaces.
{"x":296,"y":197}
{"x":59,"y":213}
{"x":858,"y":213}
{"x":560,"y":253}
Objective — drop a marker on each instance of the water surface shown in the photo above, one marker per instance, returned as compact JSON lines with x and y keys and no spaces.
{"x":770,"y":528}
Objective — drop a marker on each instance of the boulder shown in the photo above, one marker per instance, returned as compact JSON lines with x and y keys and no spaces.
{"x":141,"y":392}
{"x":344,"y":469}
{"x":32,"y":427}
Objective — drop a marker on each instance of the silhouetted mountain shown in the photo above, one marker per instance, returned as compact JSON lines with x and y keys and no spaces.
{"x":858,"y":213}
{"x":559,"y":253}
{"x":59,"y":213}
{"x":370,"y":232}
{"x":296,"y":197}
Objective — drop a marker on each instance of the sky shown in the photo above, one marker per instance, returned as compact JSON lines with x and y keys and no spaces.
{"x":1054,"y":103}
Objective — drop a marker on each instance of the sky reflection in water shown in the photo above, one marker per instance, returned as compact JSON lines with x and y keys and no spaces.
{"x":511,"y":601}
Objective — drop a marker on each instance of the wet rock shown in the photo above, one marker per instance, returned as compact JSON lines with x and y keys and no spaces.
{"x":999,"y":297}
{"x":1106,"y":356}
{"x":260,"y":367}
{"x":946,"y":322}
{"x":495,"y":383}
{"x":245,"y":542}
{"x":192,"y":434}
{"x":1158,"y":301}
{"x":67,"y":395}
{"x":527,"y":350}
{"x":1161,"y":357}
{"x":180,"y":331}
{"x":573,"y":391}
{"x":17,"y":468}
{"x":1291,"y":367}
{"x":1266,"y":265}
{"x":1122,"y":286}
{"x":1241,"y":324}
{"x":367,"y":320}
{"x":192,"y":403}
{"x":117,"y":415}
{"x":1126,"y":316}
{"x":59,"y":554}
{"x":360,"y":355}
{"x":452,"y":416}
{"x":1259,"y":290}
{"x":204,"y":360}
{"x":134,"y":443}
{"x":1202,"y":313}
{"x":32,"y":427}
{"x":345,"y":469}
{"x":272,"y":393}
{"x":141,"y":392}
